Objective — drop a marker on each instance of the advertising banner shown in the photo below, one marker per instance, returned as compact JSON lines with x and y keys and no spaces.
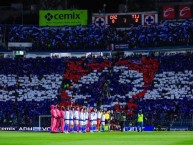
{"x":8,"y":128}
{"x":149,"y":19}
{"x":177,"y":128}
{"x":25,"y":128}
{"x":121,"y":46}
{"x":168,"y":12}
{"x":63,"y":17}
{"x":100,"y":21}
{"x":145,"y":128}
{"x":184,"y":11}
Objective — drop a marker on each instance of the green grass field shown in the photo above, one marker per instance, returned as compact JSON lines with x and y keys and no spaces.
{"x":107,"y":138}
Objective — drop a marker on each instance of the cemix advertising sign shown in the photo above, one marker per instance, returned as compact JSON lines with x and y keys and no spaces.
{"x":62,"y":17}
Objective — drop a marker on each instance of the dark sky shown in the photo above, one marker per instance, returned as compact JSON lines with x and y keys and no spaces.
{"x":111,"y":5}
{"x":96,"y":4}
{"x":93,"y":5}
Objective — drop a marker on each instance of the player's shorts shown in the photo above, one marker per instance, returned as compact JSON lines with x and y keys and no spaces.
{"x":95,"y":122}
{"x":103,"y":123}
{"x":140,"y":124}
{"x":98,"y":121}
{"x":76,"y":121}
{"x":67,"y":121}
{"x":71,"y":122}
{"x":91,"y":122}
{"x":86,"y":122}
{"x":107,"y":121}
{"x":81,"y":122}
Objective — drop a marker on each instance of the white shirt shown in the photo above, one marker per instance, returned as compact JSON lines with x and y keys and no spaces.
{"x":71,"y":115}
{"x":86,"y":115}
{"x":67,"y":114}
{"x":95,"y":116}
{"x":92,"y":116}
{"x":98,"y":115}
{"x":76,"y":115}
{"x":103,"y":117}
{"x":81,"y":116}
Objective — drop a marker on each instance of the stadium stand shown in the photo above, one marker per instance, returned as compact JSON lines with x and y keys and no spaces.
{"x":160,"y":85}
{"x":60,"y":38}
{"x":92,"y":38}
{"x":2,"y":34}
{"x":27,"y":88}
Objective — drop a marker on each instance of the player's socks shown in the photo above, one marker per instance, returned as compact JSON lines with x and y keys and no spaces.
{"x":75,"y":128}
{"x":103,"y":129}
{"x":91,"y":129}
{"x":65,"y":127}
{"x":84,"y":128}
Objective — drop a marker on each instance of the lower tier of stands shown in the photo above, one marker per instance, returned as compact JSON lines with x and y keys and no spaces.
{"x":159,"y":85}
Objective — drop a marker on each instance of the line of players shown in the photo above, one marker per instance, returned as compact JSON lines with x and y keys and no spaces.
{"x":76,"y":119}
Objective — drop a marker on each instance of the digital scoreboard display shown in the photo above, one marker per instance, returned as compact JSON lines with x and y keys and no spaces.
{"x":124,"y":21}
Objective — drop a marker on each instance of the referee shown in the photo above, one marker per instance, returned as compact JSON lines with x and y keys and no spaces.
{"x":140,"y":121}
{"x":107,"y":119}
{"x":123,"y":120}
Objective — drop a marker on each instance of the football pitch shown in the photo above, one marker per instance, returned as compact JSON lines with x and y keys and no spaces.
{"x":106,"y":138}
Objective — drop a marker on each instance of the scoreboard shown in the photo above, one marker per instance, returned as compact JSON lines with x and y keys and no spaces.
{"x":123,"y":21}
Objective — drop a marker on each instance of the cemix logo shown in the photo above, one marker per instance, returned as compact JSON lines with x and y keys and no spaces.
{"x":49,"y":16}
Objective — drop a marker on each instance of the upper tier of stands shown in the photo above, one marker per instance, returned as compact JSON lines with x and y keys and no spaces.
{"x":92,"y":38}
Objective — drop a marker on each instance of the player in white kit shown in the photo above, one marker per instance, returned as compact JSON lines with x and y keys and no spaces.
{"x":71,"y":119}
{"x":95,"y":120}
{"x":98,"y":119}
{"x":67,"y":117}
{"x":91,"y":121}
{"x":103,"y":121}
{"x":85,"y":111}
{"x":81,"y":120}
{"x":76,"y":119}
